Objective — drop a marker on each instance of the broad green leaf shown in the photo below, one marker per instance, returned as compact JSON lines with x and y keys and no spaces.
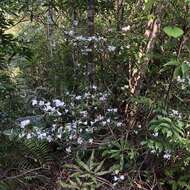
{"x":172,"y":63}
{"x":184,"y":68}
{"x":173,"y":31}
{"x":177,"y":72}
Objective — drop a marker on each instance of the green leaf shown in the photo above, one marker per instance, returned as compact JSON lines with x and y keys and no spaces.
{"x":64,"y":185}
{"x":99,"y":166}
{"x":177,"y":72}
{"x":91,"y":161}
{"x":173,"y":31}
{"x":103,"y":173}
{"x":149,"y":4}
{"x":83,"y":165}
{"x":172,"y":63}
{"x":184,"y":68}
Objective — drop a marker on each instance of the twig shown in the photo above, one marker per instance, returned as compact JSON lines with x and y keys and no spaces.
{"x":22,"y":174}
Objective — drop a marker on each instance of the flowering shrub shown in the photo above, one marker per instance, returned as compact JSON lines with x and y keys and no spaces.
{"x":76,"y":120}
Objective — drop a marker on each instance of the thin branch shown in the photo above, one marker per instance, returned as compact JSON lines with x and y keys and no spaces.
{"x":22,"y":174}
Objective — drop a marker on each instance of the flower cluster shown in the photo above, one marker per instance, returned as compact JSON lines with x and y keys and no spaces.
{"x":100,"y":43}
{"x":167,"y":155}
{"x":74,"y":120}
{"x":117,"y":178}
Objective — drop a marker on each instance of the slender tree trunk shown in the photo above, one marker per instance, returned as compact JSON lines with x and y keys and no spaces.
{"x":50,"y":28}
{"x":119,"y":4}
{"x":137,"y":76}
{"x":135,"y":83}
{"x":75,"y":49}
{"x":91,"y":67}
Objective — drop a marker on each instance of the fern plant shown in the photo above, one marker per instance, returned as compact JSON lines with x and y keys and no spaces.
{"x":23,"y":162}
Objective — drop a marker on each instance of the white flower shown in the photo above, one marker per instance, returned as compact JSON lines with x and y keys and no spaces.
{"x":104,"y":123}
{"x":115,"y":178}
{"x":78,"y":97}
{"x":80,"y":130}
{"x":71,"y":33}
{"x":68,"y":149}
{"x":79,"y":140}
{"x":153,"y":151}
{"x":29,"y":136}
{"x":24,"y":123}
{"x":155,"y":134}
{"x":47,"y":104}
{"x":103,"y":98}
{"x":49,"y":138}
{"x":81,"y":38}
{"x":111,"y":48}
{"x":84,"y":113}
{"x":58,"y":103}
{"x":90,"y":141}
{"x":68,"y":126}
{"x":53,"y":127}
{"x":84,"y":123}
{"x":74,"y":125}
{"x":75,"y":22}
{"x":119,"y":124}
{"x":88,"y":50}
{"x":59,"y":136}
{"x":42,"y":135}
{"x":112,"y":110}
{"x":86,"y":95}
{"x":59,"y":113}
{"x":48,"y":108}
{"x":71,"y":137}
{"x":167,"y":156}
{"x":122,"y":177}
{"x":94,"y":87}
{"x":175,"y":112}
{"x":34,"y":102}
{"x":21,"y":135}
{"x":87,"y":130}
{"x":180,"y":80}
{"x":60,"y":130}
{"x":126,"y":28}
{"x":92,"y":123}
{"x":41,"y":103}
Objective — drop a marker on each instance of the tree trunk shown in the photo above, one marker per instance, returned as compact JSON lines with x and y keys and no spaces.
{"x":75,"y":49}
{"x":137,"y":76}
{"x":50,"y":28}
{"x":91,"y":67}
{"x":119,"y":13}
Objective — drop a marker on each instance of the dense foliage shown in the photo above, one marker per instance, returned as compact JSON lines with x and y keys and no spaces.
{"x":94,"y":94}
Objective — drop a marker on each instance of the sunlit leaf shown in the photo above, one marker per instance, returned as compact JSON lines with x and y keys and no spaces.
{"x":173,"y":31}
